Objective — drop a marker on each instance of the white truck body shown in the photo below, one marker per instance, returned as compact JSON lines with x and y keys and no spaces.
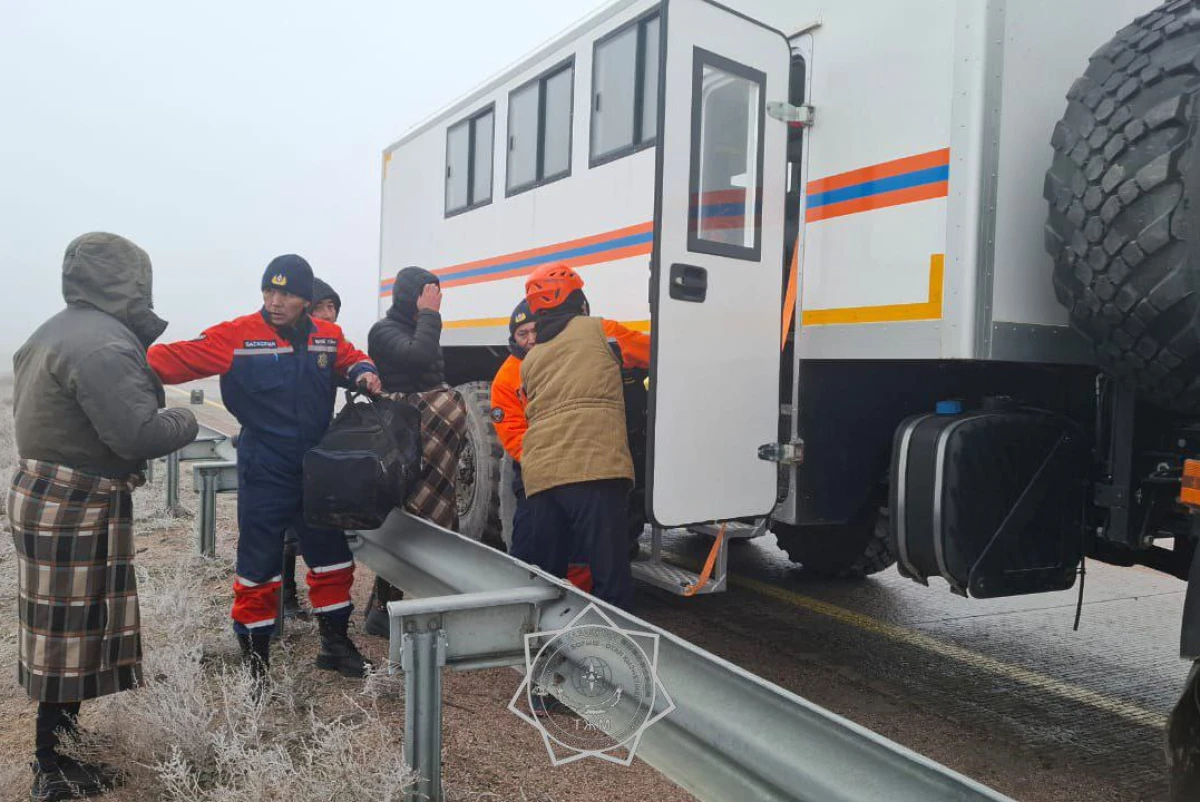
{"x":921,"y":210}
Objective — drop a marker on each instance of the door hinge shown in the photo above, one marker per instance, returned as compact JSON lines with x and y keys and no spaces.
{"x":784,"y":453}
{"x":795,"y":116}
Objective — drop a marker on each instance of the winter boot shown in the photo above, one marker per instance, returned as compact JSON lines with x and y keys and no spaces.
{"x":291,"y":603}
{"x":338,"y":653}
{"x":256,"y":653}
{"x":70,"y":779}
{"x":291,"y":600}
{"x":378,"y":623}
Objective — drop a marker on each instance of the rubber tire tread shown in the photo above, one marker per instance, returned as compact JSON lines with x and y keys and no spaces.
{"x":1122,"y":190}
{"x":854,"y":550}
{"x":482,"y":521}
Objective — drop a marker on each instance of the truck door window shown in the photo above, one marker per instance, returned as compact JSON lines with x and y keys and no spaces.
{"x":726,"y":160}
{"x":469,"y":146}
{"x":650,"y":82}
{"x":625,"y":90}
{"x":539,"y":129}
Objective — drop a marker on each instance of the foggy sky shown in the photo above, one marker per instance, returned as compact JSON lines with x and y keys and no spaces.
{"x":220,"y":134}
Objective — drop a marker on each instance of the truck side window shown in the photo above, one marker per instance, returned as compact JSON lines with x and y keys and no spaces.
{"x":625,"y":90}
{"x":539,"y":129}
{"x":726,"y":159}
{"x":469,"y":148}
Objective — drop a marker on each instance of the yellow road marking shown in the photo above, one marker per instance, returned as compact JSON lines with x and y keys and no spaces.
{"x":187,"y":393}
{"x":1033,"y":679}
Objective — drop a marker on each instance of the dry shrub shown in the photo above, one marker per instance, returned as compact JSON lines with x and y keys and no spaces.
{"x":8,"y":442}
{"x":196,"y":734}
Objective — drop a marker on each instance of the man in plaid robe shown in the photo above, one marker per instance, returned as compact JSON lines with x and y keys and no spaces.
{"x":87,"y":413}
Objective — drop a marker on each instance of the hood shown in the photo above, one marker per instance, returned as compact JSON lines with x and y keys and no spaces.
{"x":551,"y":322}
{"x":111,"y":274}
{"x":406,"y":289}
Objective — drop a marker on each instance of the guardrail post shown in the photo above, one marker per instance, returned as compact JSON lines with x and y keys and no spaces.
{"x":206,"y":521}
{"x":172,"y":483}
{"x":423,"y":655}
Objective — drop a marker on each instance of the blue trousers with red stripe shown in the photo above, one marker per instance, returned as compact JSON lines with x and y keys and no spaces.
{"x":271,"y":499}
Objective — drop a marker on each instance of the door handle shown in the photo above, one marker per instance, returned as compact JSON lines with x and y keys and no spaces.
{"x":689,"y":283}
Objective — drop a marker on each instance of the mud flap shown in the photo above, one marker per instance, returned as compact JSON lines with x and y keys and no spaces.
{"x":1189,"y":635}
{"x":1183,"y":739}
{"x":1183,"y":725}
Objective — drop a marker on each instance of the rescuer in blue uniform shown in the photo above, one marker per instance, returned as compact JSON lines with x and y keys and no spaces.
{"x":278,"y":370}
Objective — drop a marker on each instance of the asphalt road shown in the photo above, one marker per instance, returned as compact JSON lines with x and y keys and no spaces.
{"x":1003,"y":690}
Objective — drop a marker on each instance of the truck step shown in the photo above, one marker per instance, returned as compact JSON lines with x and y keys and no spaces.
{"x":673,"y":579}
{"x":734,"y":530}
{"x":653,"y":570}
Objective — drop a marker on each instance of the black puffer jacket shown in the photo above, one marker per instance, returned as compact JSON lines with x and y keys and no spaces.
{"x":406,"y":344}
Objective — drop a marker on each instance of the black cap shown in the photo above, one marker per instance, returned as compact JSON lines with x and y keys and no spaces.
{"x":520,"y":316}
{"x":322,"y":291}
{"x":291,"y":274}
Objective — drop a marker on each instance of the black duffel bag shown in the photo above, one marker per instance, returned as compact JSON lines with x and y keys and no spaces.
{"x":365,"y":466}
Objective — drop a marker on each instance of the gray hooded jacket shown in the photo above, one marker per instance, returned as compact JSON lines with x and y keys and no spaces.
{"x":84,"y":395}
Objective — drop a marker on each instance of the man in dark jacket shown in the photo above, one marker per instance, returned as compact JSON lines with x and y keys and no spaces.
{"x":326,"y":305}
{"x":406,"y":346}
{"x":87,"y":413}
{"x":408,"y":339}
{"x":278,"y":367}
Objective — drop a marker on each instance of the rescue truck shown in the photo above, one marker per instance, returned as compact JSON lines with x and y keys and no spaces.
{"x":921,"y":278}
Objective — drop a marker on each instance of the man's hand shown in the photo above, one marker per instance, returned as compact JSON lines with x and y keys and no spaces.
{"x":370,"y":382}
{"x":431,"y":298}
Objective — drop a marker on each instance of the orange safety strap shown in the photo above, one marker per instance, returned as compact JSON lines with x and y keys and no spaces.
{"x":789,"y":299}
{"x":692,"y":590}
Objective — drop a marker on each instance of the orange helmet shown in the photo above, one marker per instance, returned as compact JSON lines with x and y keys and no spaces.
{"x":549,"y":285}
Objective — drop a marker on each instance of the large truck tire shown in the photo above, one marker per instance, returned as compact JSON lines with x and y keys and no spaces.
{"x":1123,"y":191}
{"x":477,"y":485}
{"x":853,"y":550}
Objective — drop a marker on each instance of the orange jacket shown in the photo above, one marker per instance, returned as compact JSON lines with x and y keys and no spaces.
{"x":508,"y":410}
{"x":634,"y":345}
{"x":508,"y":405}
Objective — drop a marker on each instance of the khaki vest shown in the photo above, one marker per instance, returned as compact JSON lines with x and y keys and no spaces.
{"x":576,"y":411}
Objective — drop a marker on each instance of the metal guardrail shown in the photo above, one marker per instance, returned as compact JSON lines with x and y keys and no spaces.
{"x":732,"y":735}
{"x":215,"y":472}
{"x":208,"y":479}
{"x":210,"y":444}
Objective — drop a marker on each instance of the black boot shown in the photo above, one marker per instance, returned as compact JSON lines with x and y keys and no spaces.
{"x":377,"y":622}
{"x":291,"y":600}
{"x":338,"y":652}
{"x":256,"y":653}
{"x":291,"y":603}
{"x":65,"y":780}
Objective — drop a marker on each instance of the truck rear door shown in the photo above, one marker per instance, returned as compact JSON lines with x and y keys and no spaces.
{"x":715,"y":270}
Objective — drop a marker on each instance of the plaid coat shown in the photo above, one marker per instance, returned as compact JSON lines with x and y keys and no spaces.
{"x":443,"y":432}
{"x":79,"y":627}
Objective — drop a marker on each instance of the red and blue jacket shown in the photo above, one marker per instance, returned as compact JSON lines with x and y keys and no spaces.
{"x":280,"y":385}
